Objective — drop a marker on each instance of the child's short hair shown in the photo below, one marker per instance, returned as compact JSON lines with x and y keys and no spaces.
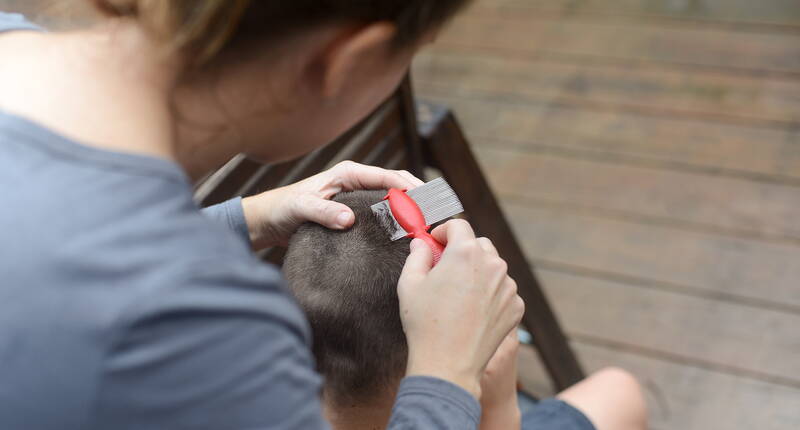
{"x":346,"y":282}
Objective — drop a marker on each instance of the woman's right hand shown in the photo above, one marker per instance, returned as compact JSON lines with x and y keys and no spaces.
{"x":456,"y":314}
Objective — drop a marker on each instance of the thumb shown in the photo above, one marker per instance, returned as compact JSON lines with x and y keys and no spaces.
{"x":418,"y":263}
{"x":328,"y":213}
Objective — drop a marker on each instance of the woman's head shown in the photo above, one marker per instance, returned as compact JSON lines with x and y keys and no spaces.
{"x":317,"y":66}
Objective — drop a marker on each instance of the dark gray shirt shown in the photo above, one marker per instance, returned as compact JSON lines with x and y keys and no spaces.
{"x":123,"y":307}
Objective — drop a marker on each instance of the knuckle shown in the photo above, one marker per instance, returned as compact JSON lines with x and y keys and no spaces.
{"x":345,"y":166}
{"x":346,"y":163}
{"x":313,"y":203}
{"x":335,"y":182}
{"x":512,"y":286}
{"x":304,"y":201}
{"x":467,"y":248}
{"x":499,"y":265}
{"x":458,"y":223}
{"x":503,"y":266}
{"x":518,"y":307}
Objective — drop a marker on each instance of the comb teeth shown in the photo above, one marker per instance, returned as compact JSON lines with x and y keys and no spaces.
{"x":436,"y":200}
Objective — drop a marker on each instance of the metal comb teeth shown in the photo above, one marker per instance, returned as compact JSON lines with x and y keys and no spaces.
{"x":436,"y":200}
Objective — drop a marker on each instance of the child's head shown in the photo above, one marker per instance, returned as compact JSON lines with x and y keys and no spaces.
{"x":346,"y":282}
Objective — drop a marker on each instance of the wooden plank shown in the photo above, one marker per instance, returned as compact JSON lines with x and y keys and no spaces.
{"x":739,"y":52}
{"x":765,"y":345}
{"x":717,"y":266}
{"x":682,"y":396}
{"x":712,"y":96}
{"x":748,"y":11}
{"x":450,"y":152}
{"x":747,"y":208}
{"x":714,"y":148}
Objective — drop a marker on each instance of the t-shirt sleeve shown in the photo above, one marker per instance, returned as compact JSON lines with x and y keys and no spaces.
{"x":430,"y":403}
{"x":231,"y":214}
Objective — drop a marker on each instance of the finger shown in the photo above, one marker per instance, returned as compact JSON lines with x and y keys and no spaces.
{"x":505,"y":351}
{"x":453,"y":231}
{"x":517,"y":309}
{"x":512,"y":340}
{"x":328,"y":213}
{"x":355,"y":176}
{"x":487,"y":246}
{"x":418,"y":263}
{"x":416,"y":181}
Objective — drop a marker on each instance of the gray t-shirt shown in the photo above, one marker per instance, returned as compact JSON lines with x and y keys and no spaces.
{"x":123,"y":307}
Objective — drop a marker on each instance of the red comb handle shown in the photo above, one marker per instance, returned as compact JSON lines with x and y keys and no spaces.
{"x":408,"y":214}
{"x":434,"y":244}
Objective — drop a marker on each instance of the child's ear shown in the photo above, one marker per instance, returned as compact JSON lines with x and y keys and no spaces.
{"x":353,"y":54}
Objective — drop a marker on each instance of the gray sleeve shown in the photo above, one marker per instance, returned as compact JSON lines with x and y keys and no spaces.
{"x":430,"y":403}
{"x":231,"y":350}
{"x":231,"y":214}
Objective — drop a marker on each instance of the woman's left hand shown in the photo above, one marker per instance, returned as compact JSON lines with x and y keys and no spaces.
{"x":273,"y":216}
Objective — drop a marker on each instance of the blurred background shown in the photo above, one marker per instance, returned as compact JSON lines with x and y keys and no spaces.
{"x":647,"y":154}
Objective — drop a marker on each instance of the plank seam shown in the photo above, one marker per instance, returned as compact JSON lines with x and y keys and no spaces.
{"x":578,"y":103}
{"x":647,"y":219}
{"x":637,"y":19}
{"x":664,"y":286}
{"x":627,"y":159}
{"x":686,"y":360}
{"x":630,"y":63}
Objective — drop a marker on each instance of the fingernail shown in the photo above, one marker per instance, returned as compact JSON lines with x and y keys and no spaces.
{"x":344,"y":219}
{"x":415,"y":243}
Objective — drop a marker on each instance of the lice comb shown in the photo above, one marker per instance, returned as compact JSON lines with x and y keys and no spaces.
{"x":413,"y":213}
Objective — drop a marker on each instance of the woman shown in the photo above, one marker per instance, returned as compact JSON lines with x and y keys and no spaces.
{"x":125,"y":307}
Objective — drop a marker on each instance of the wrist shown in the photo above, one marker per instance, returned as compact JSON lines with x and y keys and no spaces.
{"x":501,"y":416}
{"x":255,"y":210}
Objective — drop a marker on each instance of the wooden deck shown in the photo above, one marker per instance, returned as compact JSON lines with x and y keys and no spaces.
{"x":647,"y":153}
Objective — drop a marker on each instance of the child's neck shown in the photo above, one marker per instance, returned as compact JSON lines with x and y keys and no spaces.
{"x":372,"y":416}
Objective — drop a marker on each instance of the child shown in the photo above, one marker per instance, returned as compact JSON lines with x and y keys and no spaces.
{"x":346,"y":283}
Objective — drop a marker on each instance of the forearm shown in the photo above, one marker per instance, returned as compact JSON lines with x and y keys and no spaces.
{"x":506,"y":418}
{"x":255,"y":210}
{"x":231,"y":214}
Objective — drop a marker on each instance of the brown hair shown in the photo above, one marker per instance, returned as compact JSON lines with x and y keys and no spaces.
{"x":202,"y":28}
{"x":346,"y":283}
